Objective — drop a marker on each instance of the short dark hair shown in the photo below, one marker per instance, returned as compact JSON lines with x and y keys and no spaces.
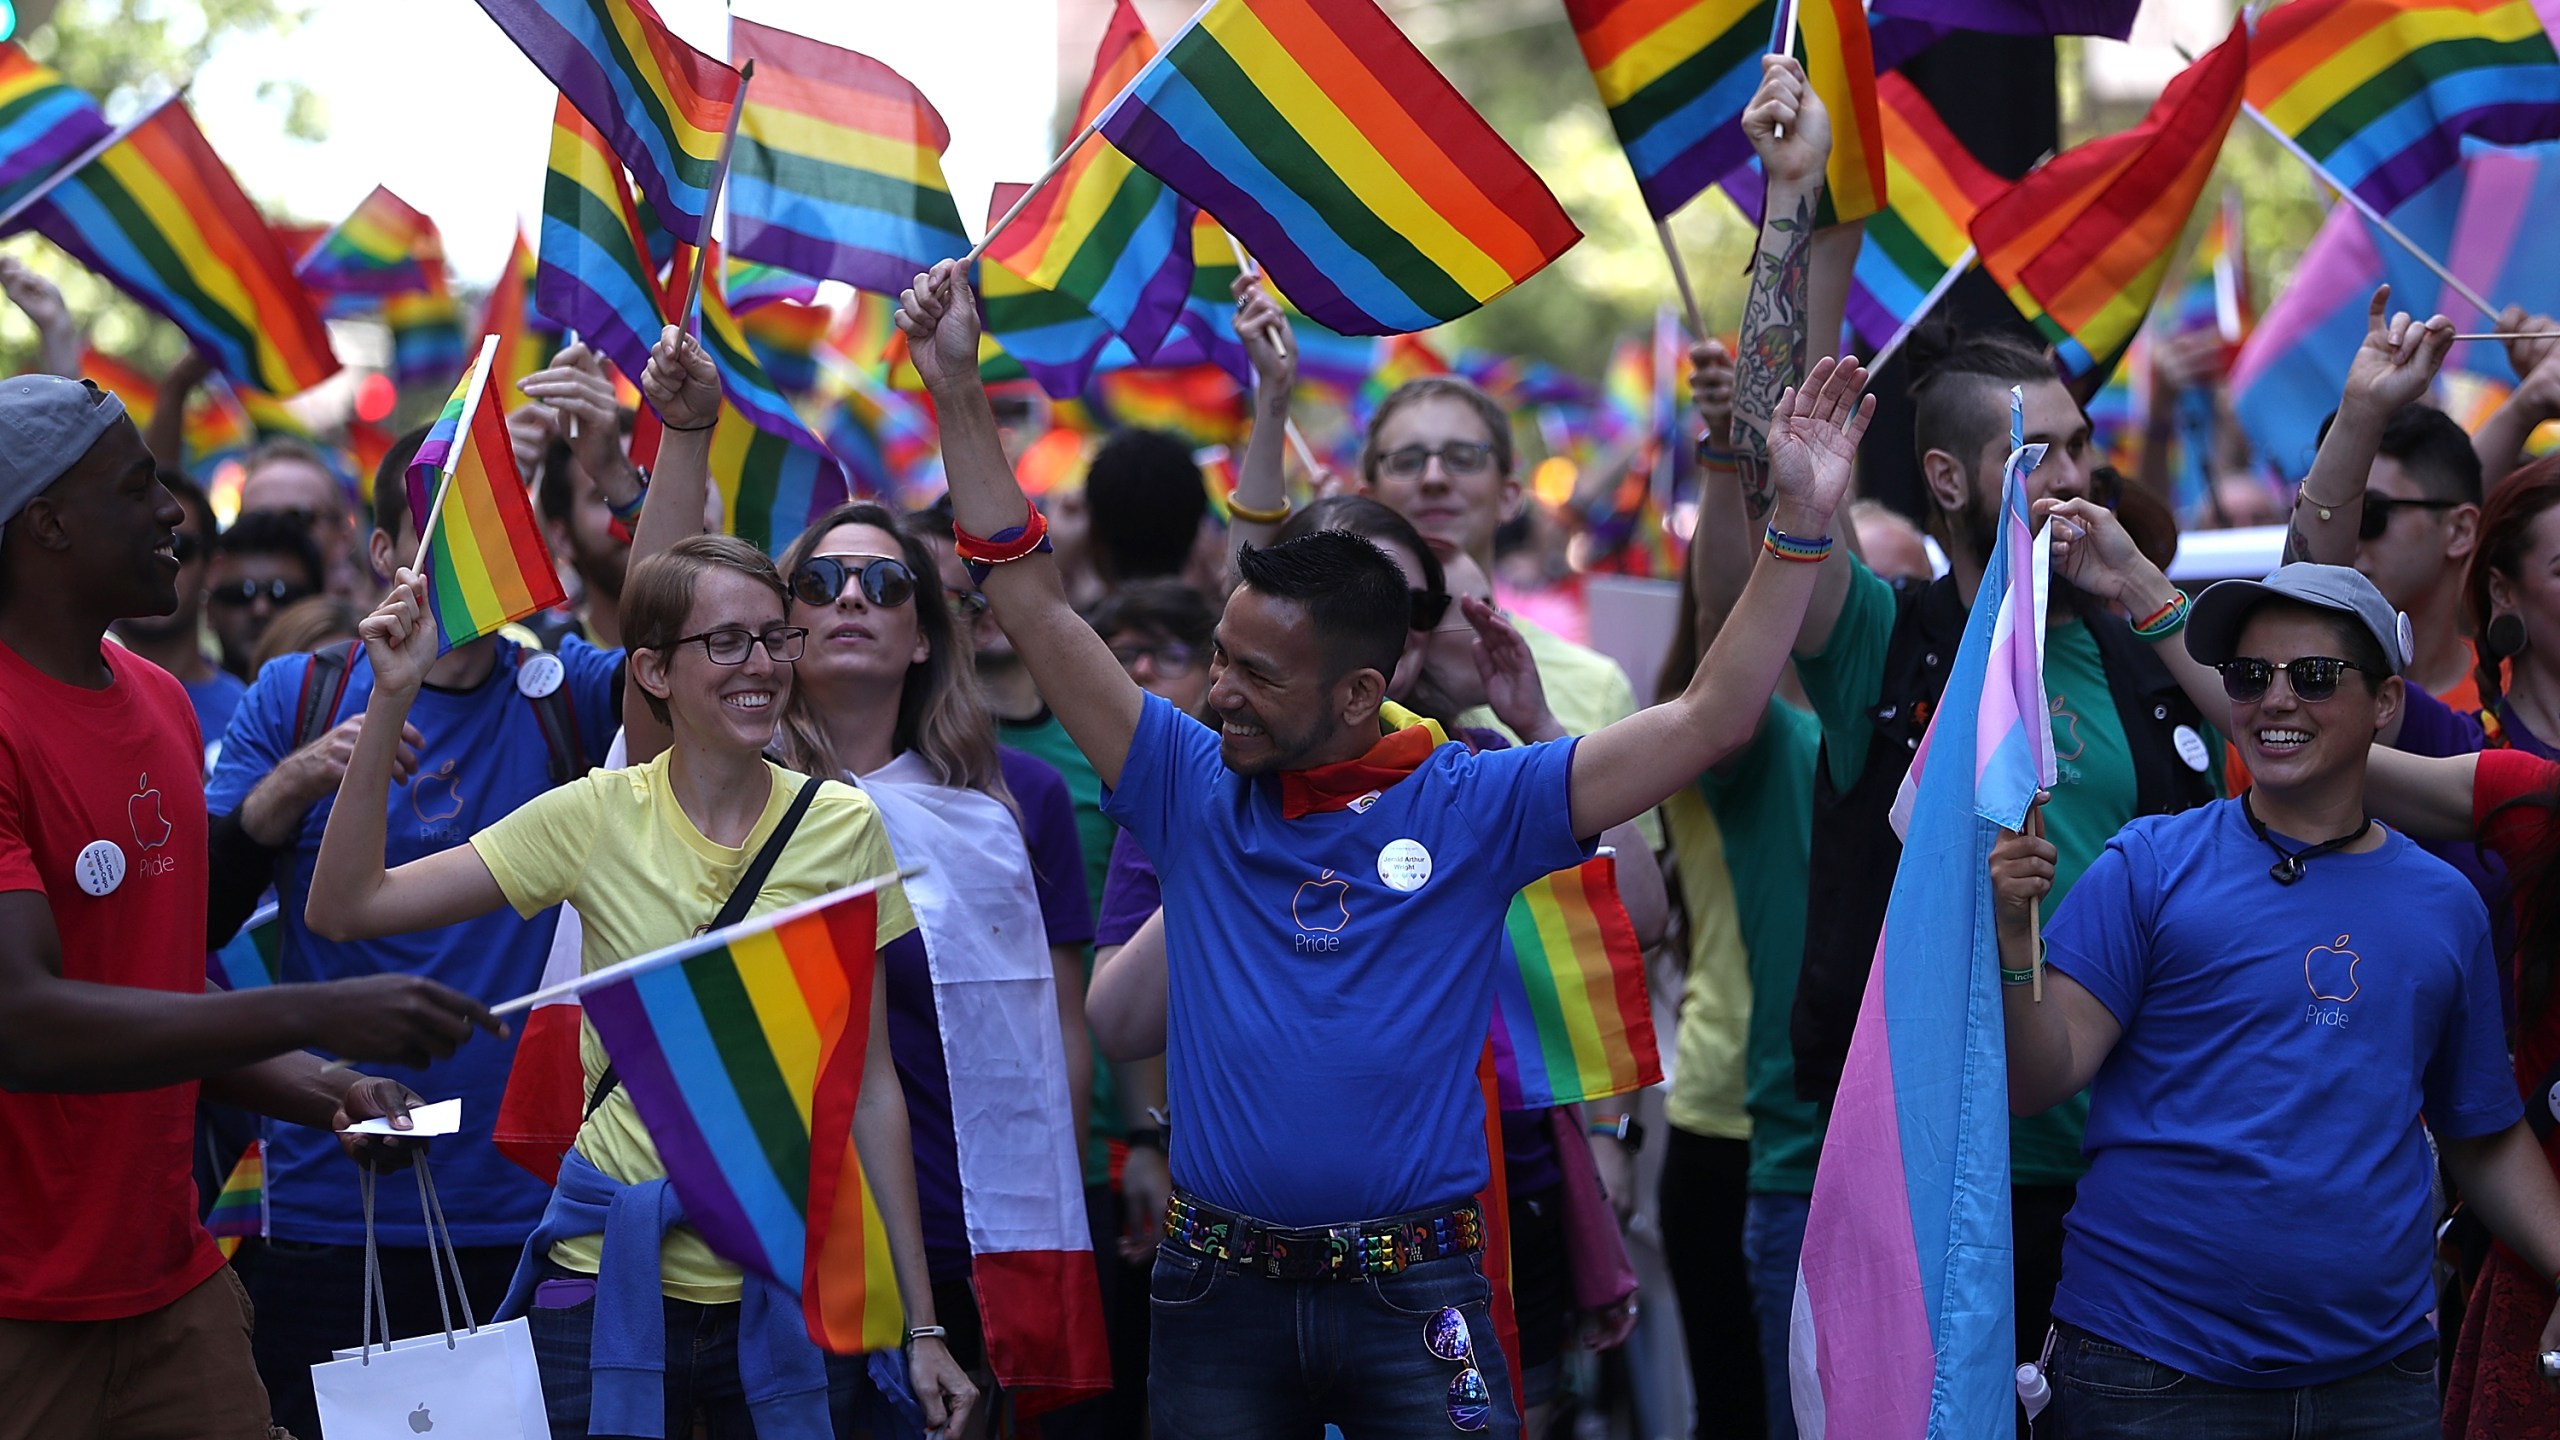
{"x":1160,"y":607}
{"x":1353,"y":594}
{"x":2435,"y":450}
{"x":1147,"y":500}
{"x":1959,"y":385}
{"x":1373,"y":520}
{"x":552,"y":496}
{"x":391,"y":481}
{"x":273,"y":532}
{"x":932,"y":522}
{"x":198,"y":504}
{"x":2356,"y":644}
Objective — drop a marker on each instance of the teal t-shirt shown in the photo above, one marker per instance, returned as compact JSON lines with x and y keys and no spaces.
{"x":1044,"y":738}
{"x":1764,"y":805}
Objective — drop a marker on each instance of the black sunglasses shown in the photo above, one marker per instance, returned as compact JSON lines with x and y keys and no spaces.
{"x":2314,"y":677}
{"x":1428,"y":607}
{"x":2378,"y":510}
{"x":249,"y":592}
{"x":885,"y":582}
{"x":782,"y":644}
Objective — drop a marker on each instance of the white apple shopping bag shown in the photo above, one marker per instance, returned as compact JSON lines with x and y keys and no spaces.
{"x":467,"y":1382}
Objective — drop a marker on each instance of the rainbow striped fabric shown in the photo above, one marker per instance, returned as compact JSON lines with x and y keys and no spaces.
{"x":253,"y":958}
{"x":158,"y":213}
{"x":426,"y":336}
{"x":1201,"y":403}
{"x":486,"y":562}
{"x":383,"y":247}
{"x":1206,"y":333}
{"x":2111,"y":18}
{"x":784,"y":337}
{"x":1102,"y":231}
{"x":1047,"y":335}
{"x":1379,"y":199}
{"x":1399,"y":359}
{"x":1839,"y":60}
{"x":1675,"y":76}
{"x":2381,"y":92}
{"x":774,"y":475}
{"x":744,"y":1059}
{"x":751,"y":283}
{"x":2082,"y":244}
{"x":661,"y":104}
{"x":526,"y":342}
{"x":1936,"y":187}
{"x":594,"y":274}
{"x":837,"y":171}
{"x":1570,"y":1020}
{"x":45,"y":124}
{"x":240,"y":1209}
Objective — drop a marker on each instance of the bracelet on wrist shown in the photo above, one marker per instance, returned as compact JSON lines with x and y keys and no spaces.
{"x":926,"y":1332}
{"x":1276,"y":515}
{"x":2017,"y":977}
{"x":1796,"y":549}
{"x":631,"y":512}
{"x":688,"y":429}
{"x":2325,"y":512}
{"x":1002,"y":548}
{"x":2166,"y":621}
{"x":1626,"y":1130}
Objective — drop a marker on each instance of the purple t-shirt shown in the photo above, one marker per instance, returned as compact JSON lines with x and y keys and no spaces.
{"x":915,"y":1032}
{"x":1130,"y":893}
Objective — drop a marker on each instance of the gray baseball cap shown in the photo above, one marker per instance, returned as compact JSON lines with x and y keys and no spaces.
{"x":2213,"y":626}
{"x":46,"y":424}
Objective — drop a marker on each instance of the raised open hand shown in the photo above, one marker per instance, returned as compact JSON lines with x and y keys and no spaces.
{"x":1509,"y":672}
{"x":1813,"y":440}
{"x":939,"y":316}
{"x":681,"y":383}
{"x":1786,"y":124}
{"x":2397,"y":361}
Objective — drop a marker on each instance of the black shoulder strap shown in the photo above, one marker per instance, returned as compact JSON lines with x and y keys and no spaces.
{"x":324,"y":686}
{"x":740,"y":900}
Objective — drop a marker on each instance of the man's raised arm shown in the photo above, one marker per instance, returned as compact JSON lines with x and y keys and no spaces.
{"x":2393,"y":367}
{"x":1084,"y":686}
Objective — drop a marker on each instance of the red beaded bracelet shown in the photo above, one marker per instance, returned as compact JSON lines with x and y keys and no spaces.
{"x":1007,"y":545}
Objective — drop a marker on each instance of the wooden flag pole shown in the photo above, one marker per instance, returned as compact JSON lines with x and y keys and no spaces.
{"x":2365,"y":208}
{"x":1680,"y":277}
{"x":1787,"y":43}
{"x":2512,"y":335}
{"x":461,"y":437}
{"x":711,"y":202}
{"x":1928,"y":302}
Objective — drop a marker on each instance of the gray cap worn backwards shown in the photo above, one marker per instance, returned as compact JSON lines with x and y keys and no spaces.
{"x":46,"y":424}
{"x":2213,"y":626}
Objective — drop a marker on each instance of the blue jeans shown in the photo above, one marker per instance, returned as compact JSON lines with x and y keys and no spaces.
{"x":2103,"y":1391}
{"x":1772,"y":1242}
{"x":1235,"y":1356}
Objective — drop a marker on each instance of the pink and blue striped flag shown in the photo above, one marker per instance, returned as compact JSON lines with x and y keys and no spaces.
{"x":1903,"y":1307}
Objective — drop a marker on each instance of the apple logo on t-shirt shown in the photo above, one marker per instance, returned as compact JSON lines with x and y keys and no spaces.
{"x":2331,"y":971}
{"x":1315,"y":898}
{"x":150,"y":827}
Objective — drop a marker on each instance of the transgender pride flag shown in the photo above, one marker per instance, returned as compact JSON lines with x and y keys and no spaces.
{"x":1902,"y":1326}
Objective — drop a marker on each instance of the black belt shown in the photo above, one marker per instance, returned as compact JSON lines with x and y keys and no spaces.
{"x":1325,"y":1252}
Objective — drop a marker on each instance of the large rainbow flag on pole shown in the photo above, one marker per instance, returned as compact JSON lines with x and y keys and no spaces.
{"x":157,"y":212}
{"x":482,"y":550}
{"x":2381,"y":92}
{"x":1903,"y":1306}
{"x":773,"y":473}
{"x":1840,"y":63}
{"x":2082,"y":244}
{"x":837,"y":171}
{"x":383,"y":247}
{"x":1571,"y":1021}
{"x":1103,"y":231}
{"x":45,"y":124}
{"x":1376,"y":196}
{"x":660,"y":103}
{"x":743,"y":1052}
{"x":1675,"y":76}
{"x":1936,"y":187}
{"x":594,"y":274}
{"x":525,"y":342}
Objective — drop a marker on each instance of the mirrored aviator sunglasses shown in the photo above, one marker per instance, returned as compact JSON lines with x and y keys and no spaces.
{"x":1470,"y":1399}
{"x":885,"y":582}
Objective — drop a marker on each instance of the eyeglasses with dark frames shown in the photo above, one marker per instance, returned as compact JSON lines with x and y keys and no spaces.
{"x":782,"y":643}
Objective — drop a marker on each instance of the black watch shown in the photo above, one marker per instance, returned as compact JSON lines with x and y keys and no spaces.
{"x":1148,"y":1137}
{"x":1626,"y":1130}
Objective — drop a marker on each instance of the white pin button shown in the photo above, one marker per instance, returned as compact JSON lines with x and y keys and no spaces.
{"x":2191,"y":748}
{"x":1404,"y":865}
{"x":100,"y":868}
{"x":539,"y":674}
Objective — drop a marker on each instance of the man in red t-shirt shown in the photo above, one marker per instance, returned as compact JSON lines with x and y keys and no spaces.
{"x":117,"y":1316}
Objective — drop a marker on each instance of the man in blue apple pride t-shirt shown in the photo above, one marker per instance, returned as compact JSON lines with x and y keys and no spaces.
{"x":1334,"y":897}
{"x":2270,"y":997}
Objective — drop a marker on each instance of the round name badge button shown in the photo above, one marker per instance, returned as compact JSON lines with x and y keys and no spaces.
{"x":539,"y":674}
{"x":1404,"y":865}
{"x":2191,"y":748}
{"x":100,"y":868}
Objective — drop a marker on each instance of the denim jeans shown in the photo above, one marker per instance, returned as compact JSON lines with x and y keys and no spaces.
{"x":701,"y":1377}
{"x":1239,"y":1357}
{"x":2103,"y":1391}
{"x":1772,"y":1241}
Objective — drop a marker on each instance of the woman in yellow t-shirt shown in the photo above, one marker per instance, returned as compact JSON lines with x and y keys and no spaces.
{"x":648,"y":854}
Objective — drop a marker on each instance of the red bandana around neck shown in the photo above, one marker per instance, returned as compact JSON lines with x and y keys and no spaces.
{"x":1324,"y":788}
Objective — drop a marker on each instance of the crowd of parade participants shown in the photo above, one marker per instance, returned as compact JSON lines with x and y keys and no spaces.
{"x":2276,"y":949}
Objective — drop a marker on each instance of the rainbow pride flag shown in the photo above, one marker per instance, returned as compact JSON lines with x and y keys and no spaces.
{"x":1377,"y":197}
{"x":45,"y":124}
{"x":1102,"y":231}
{"x":1571,"y":1021}
{"x":2111,"y":18}
{"x":744,"y":1058}
{"x":1936,"y":187}
{"x":486,"y":562}
{"x":784,"y":337}
{"x":1675,"y":76}
{"x":1399,"y":360}
{"x":2382,"y":92}
{"x":1048,"y":334}
{"x":1839,"y":61}
{"x":426,"y":336}
{"x":526,"y":342}
{"x":752,"y":283}
{"x":862,"y":333}
{"x":251,"y":959}
{"x":1904,"y":1294}
{"x":773,"y":473}
{"x":158,"y":213}
{"x":838,"y":167}
{"x":594,"y":274}
{"x":1201,"y":403}
{"x":2082,"y":244}
{"x":239,"y":1210}
{"x":1206,"y":333}
{"x":661,"y":104}
{"x":383,"y":247}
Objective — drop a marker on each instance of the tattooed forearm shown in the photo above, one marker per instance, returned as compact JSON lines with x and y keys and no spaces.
{"x":1773,"y":341}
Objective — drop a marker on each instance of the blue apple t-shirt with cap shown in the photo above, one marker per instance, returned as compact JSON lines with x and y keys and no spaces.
{"x":483,"y":756}
{"x":2256,"y":1208}
{"x":1330,"y":978}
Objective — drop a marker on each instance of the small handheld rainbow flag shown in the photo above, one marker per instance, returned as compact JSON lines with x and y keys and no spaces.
{"x":742,"y":1051}
{"x":426,"y":336}
{"x":1352,"y":169}
{"x":251,"y":959}
{"x":526,"y":341}
{"x":1675,"y":77}
{"x":383,"y":247}
{"x":483,"y":553}
{"x":1571,"y":1021}
{"x":44,"y":123}
{"x":239,"y":1212}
